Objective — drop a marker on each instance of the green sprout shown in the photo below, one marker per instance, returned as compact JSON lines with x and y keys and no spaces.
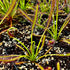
{"x":32,"y":54}
{"x":25,"y":6}
{"x":28,"y":18}
{"x":53,"y":29}
{"x":8,"y":9}
{"x":67,"y":7}
{"x":44,"y":9}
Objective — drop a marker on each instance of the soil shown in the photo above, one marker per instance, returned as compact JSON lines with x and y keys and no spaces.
{"x":23,"y":33}
{"x":7,"y":47}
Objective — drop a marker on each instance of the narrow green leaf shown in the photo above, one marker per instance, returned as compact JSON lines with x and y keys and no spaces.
{"x":34,"y":22}
{"x":22,"y":45}
{"x":21,"y":48}
{"x":35,"y":18}
{"x":24,"y":14}
{"x":39,"y":66}
{"x":9,"y":10}
{"x":1,"y":12}
{"x":64,"y":25}
{"x":33,"y":51}
{"x":9,"y":58}
{"x":54,"y":25}
{"x":65,"y":40}
{"x":56,"y":16}
{"x":51,"y":12}
{"x":50,"y":32}
{"x":17,"y":39}
{"x":22,"y":4}
{"x":6,"y":4}
{"x":62,"y":55}
{"x":10,"y":1}
{"x":15,"y":9}
{"x":41,"y":46}
{"x":2,"y":6}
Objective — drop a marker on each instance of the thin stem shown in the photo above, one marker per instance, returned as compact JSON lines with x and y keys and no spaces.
{"x":22,"y":45}
{"x":48,"y":50}
{"x":61,"y":55}
{"x":56,"y":18}
{"x":34,"y":22}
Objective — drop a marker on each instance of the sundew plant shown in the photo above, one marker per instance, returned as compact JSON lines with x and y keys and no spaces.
{"x":8,"y":10}
{"x":53,"y":30}
{"x":32,"y":53}
{"x":25,"y":6}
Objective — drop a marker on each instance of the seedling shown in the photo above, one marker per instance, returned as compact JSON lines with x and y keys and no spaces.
{"x":26,"y":6}
{"x":53,"y":29}
{"x":31,"y":54}
{"x":8,"y":10}
{"x":28,"y":18}
{"x":44,"y":9}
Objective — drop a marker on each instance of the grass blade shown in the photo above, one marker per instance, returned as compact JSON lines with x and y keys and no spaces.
{"x":39,"y":66}
{"x":9,"y":58}
{"x":65,"y":40}
{"x":9,"y":10}
{"x":64,"y":25}
{"x":56,"y":16}
{"x":24,"y":14}
{"x":51,"y":12}
{"x":22,"y":45}
{"x":6,"y":4}
{"x":60,"y":55}
{"x":15,"y":9}
{"x":22,"y":4}
{"x":2,"y":6}
{"x":21,"y":48}
{"x":50,"y":32}
{"x":17,"y":39}
{"x":34,"y":22}
{"x":41,"y":45}
{"x":35,"y":18}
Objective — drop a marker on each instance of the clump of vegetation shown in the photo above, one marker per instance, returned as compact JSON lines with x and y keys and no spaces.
{"x":8,"y":10}
{"x":51,"y":8}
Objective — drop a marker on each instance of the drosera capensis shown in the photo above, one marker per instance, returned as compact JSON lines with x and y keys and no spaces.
{"x":8,"y":10}
{"x":32,"y":54}
{"x":53,"y":30}
{"x":32,"y":47}
{"x":28,"y":18}
{"x":26,"y":6}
